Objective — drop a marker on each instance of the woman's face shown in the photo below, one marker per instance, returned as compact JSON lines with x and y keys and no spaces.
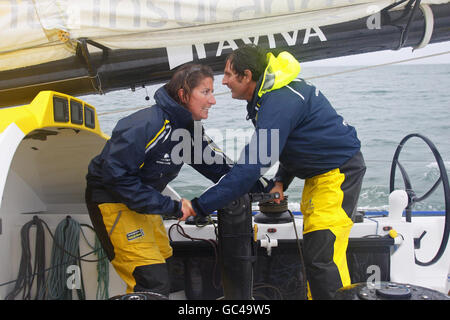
{"x":201,"y":99}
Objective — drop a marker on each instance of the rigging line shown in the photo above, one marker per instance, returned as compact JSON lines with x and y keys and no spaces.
{"x":394,"y":5}
{"x":308,"y":78}
{"x":121,"y":110}
{"x":53,"y":43}
{"x":378,"y":65}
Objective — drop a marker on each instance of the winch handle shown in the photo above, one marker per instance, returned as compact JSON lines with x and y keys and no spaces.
{"x":263,"y":197}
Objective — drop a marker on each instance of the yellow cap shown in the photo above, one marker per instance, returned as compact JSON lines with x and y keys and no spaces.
{"x":393,"y":234}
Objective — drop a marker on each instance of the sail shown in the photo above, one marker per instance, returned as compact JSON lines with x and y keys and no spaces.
{"x":89,"y":46}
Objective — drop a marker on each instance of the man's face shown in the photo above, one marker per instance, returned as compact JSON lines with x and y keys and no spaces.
{"x":241,"y":87}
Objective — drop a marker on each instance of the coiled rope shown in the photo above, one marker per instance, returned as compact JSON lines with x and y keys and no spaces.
{"x":65,"y":252}
{"x":26,"y":275}
{"x":67,"y":234}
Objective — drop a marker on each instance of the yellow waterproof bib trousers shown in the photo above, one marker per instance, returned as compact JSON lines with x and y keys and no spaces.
{"x":136,"y":244}
{"x":328,"y":202}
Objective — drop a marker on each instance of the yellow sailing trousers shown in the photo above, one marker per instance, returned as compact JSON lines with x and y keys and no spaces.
{"x":326,"y":228}
{"x":141,"y":247}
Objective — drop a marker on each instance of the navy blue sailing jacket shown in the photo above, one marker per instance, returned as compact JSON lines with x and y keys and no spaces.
{"x":312,"y":138}
{"x":137,"y":163}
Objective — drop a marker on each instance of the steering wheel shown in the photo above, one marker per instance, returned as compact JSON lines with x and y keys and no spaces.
{"x":413,"y":198}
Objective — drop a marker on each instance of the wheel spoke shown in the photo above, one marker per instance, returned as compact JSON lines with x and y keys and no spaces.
{"x":426,"y":195}
{"x":405,"y":176}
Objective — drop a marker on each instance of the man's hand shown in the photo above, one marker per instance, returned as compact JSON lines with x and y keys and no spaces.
{"x":278,"y":188}
{"x":186,"y":208}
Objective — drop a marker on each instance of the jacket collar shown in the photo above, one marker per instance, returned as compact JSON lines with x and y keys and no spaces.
{"x":279,"y":72}
{"x":175,"y":110}
{"x":252,"y":105}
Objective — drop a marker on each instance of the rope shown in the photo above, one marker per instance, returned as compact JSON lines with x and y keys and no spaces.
{"x":102,"y":272}
{"x":66,"y":252}
{"x":211,"y":242}
{"x":67,"y":234}
{"x":26,"y":275}
{"x":302,"y":260}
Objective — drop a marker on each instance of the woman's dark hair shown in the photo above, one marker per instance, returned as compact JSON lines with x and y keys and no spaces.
{"x":187,"y":77}
{"x":249,"y":57}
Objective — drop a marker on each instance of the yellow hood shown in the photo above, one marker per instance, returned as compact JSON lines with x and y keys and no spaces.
{"x":280,"y":71}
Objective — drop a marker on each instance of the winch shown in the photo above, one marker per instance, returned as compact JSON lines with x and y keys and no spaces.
{"x":273,"y":213}
{"x":388,"y":291}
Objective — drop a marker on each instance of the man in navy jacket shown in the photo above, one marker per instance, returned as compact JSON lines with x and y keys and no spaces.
{"x":300,"y":128}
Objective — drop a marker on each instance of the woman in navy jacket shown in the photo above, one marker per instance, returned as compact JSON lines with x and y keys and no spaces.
{"x":125,"y":181}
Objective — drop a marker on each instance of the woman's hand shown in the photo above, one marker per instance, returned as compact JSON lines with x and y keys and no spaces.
{"x":186,"y":208}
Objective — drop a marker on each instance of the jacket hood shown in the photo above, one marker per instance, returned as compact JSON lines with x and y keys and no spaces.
{"x":280,"y":71}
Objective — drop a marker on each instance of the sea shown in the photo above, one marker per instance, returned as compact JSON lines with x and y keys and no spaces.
{"x":384,"y":104}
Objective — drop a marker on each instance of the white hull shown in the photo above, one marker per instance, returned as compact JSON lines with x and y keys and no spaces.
{"x":42,"y":172}
{"x":403,"y":268}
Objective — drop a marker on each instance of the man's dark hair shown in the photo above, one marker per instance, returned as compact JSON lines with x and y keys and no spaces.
{"x":187,"y":77}
{"x":249,"y":57}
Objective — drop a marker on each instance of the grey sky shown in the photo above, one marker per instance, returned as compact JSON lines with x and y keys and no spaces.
{"x":380,"y":57}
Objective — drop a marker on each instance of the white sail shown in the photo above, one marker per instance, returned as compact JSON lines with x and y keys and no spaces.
{"x":35,"y":32}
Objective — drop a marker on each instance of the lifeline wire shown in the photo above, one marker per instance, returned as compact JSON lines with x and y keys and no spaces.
{"x":378,"y":65}
{"x":309,"y":78}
